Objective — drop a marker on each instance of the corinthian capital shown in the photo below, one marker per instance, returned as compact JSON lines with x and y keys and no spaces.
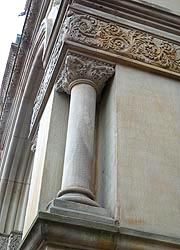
{"x":79,"y":69}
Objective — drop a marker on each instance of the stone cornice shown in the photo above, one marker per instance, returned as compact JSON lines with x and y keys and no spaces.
{"x":137,"y":10}
{"x":81,"y":69}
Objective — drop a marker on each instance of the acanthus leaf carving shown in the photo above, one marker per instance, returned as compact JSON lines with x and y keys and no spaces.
{"x":85,"y":69}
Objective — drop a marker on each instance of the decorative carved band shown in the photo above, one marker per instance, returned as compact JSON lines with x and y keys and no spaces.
{"x":130,"y":43}
{"x":48,"y":74}
{"x":3,"y":242}
{"x":81,"y":69}
{"x":14,"y":241}
{"x":10,"y":242}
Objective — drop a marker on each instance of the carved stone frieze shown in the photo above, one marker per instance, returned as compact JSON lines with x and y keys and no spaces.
{"x":14,"y":241}
{"x":128,"y":42}
{"x":3,"y":242}
{"x":78,"y":68}
{"x":48,"y":74}
{"x":10,"y":242}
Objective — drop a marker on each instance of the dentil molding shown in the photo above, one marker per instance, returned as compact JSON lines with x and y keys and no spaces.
{"x":81,"y":69}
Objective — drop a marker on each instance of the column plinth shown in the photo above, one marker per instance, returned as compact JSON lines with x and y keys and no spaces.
{"x":84,"y":79}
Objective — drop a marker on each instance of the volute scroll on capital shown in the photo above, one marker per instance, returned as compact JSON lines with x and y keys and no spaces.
{"x":78,"y":69}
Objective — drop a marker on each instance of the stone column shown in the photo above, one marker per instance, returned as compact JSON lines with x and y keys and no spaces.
{"x":84,"y":78}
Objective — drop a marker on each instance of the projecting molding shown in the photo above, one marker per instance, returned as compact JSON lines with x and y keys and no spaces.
{"x":90,"y":34}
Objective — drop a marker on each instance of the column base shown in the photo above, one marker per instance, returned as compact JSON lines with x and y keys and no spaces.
{"x":78,"y":198}
{"x":80,"y":211}
{"x":78,"y":195}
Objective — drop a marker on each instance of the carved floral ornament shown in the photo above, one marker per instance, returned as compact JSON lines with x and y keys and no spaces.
{"x":81,"y":69}
{"x":130,"y":43}
{"x":14,"y":241}
{"x":3,"y":242}
{"x":10,"y":242}
{"x":48,"y":74}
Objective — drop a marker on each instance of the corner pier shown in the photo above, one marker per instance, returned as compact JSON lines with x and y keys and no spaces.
{"x":83,"y":78}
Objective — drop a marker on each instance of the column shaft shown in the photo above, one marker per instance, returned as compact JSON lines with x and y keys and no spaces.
{"x":77,"y":175}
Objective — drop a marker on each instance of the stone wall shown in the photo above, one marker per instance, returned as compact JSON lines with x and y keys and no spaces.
{"x":138,"y":151}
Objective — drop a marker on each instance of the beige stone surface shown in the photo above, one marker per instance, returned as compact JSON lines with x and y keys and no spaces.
{"x":148,"y":142}
{"x":23,"y":197}
{"x":54,"y":160}
{"x":37,"y":172}
{"x":15,"y":198}
{"x":106,"y":150}
{"x":48,"y":161}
